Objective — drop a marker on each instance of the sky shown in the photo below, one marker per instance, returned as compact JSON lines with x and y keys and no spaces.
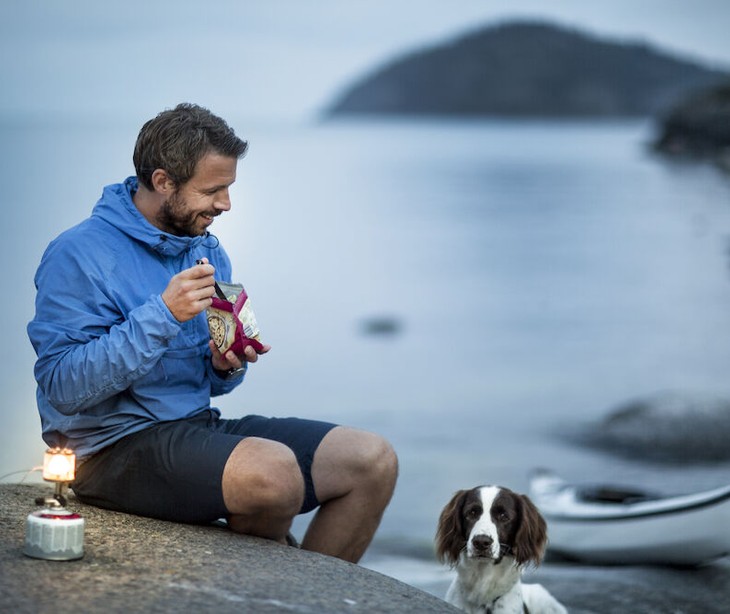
{"x":278,"y":60}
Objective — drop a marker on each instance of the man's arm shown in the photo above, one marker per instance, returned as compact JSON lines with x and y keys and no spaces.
{"x":76,"y":373}
{"x":87,"y":350}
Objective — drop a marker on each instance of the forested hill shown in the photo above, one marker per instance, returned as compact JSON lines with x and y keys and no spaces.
{"x":528,"y":69}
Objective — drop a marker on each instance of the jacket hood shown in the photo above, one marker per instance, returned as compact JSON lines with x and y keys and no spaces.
{"x":118,"y":209}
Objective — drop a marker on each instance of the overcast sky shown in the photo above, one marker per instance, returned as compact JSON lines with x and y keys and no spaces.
{"x":278,"y":59}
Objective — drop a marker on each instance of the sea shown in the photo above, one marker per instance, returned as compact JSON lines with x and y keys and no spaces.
{"x":473,"y":290}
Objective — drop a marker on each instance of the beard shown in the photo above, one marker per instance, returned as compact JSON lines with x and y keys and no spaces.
{"x":174,"y":217}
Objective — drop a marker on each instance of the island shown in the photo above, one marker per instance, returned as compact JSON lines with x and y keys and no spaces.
{"x":528,"y":69}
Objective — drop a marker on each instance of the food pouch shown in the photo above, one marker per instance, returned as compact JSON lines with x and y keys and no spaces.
{"x":231,"y":321}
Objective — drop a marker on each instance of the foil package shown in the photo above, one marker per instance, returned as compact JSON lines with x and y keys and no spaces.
{"x":232,"y":322}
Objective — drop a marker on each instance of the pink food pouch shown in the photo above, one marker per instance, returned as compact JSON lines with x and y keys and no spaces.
{"x":231,"y":320}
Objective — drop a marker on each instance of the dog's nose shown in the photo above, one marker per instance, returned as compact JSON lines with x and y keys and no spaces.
{"x":482,"y":542}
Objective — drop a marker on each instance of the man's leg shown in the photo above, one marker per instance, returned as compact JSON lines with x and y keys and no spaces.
{"x":263,"y":488}
{"x":354,"y":474}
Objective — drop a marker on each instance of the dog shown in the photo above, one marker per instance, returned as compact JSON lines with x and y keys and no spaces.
{"x":490,"y":534}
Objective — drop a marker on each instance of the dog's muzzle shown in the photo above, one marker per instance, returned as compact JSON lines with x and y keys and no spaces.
{"x":483,"y":546}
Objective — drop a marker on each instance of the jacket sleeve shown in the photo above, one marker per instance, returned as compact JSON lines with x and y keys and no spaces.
{"x":221,"y":385}
{"x":87,"y":349}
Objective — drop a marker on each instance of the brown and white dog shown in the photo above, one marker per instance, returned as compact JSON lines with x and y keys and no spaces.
{"x":490,"y":534}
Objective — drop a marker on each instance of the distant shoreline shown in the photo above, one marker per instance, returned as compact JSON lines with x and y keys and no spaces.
{"x":698,"y":128}
{"x":527,"y":69}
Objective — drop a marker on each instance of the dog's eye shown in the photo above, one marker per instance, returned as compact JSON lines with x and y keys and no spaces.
{"x":474,"y":512}
{"x":501,"y":515}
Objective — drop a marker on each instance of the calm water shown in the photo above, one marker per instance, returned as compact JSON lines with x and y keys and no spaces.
{"x":541,"y":274}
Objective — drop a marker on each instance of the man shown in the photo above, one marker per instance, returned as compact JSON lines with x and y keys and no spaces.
{"x":126,"y":368}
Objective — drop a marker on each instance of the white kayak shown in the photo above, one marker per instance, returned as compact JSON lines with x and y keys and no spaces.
{"x":609,"y":525}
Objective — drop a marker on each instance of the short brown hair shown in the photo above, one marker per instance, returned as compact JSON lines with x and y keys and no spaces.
{"x":178,"y":138}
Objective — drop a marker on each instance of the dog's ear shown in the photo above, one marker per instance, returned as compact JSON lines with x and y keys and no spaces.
{"x":450,"y":539}
{"x":531,"y":538}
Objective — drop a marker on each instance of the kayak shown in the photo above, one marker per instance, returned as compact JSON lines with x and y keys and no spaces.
{"x":615,"y":525}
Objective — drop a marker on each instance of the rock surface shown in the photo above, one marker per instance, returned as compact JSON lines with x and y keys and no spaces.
{"x":143,"y":565}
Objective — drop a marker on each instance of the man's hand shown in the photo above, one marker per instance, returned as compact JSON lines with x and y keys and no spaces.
{"x":229,"y":360}
{"x":190,"y":291}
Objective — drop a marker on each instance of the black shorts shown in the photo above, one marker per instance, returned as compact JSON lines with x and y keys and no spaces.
{"x":174,"y":470}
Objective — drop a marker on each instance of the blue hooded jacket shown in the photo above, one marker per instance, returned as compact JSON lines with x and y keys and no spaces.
{"x":112,"y":359}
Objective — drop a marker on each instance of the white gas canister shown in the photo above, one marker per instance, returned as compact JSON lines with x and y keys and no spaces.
{"x":54,"y":534}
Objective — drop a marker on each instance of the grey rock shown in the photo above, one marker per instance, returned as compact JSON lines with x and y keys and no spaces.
{"x":139,"y":564}
{"x":670,"y":427}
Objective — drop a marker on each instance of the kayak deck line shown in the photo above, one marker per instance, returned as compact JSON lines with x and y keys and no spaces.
{"x":644,"y":509}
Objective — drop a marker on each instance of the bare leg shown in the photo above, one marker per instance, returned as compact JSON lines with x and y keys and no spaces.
{"x":354,"y":475}
{"x":263,"y":488}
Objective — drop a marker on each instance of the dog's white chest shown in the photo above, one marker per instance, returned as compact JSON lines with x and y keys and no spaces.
{"x":484,"y":588}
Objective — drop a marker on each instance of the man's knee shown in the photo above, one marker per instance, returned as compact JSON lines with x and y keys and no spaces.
{"x":350,"y":457}
{"x":263,"y":476}
{"x":380,"y":459}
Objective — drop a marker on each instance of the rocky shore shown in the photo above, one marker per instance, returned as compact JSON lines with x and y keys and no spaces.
{"x":669,"y":428}
{"x":134,"y":564}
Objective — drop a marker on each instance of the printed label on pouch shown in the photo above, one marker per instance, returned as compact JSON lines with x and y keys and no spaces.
{"x":248,"y":320}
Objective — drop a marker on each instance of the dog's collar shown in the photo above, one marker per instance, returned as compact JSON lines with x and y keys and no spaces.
{"x":488,"y":609}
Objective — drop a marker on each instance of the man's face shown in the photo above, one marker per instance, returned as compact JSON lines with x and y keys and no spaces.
{"x":195,"y":204}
